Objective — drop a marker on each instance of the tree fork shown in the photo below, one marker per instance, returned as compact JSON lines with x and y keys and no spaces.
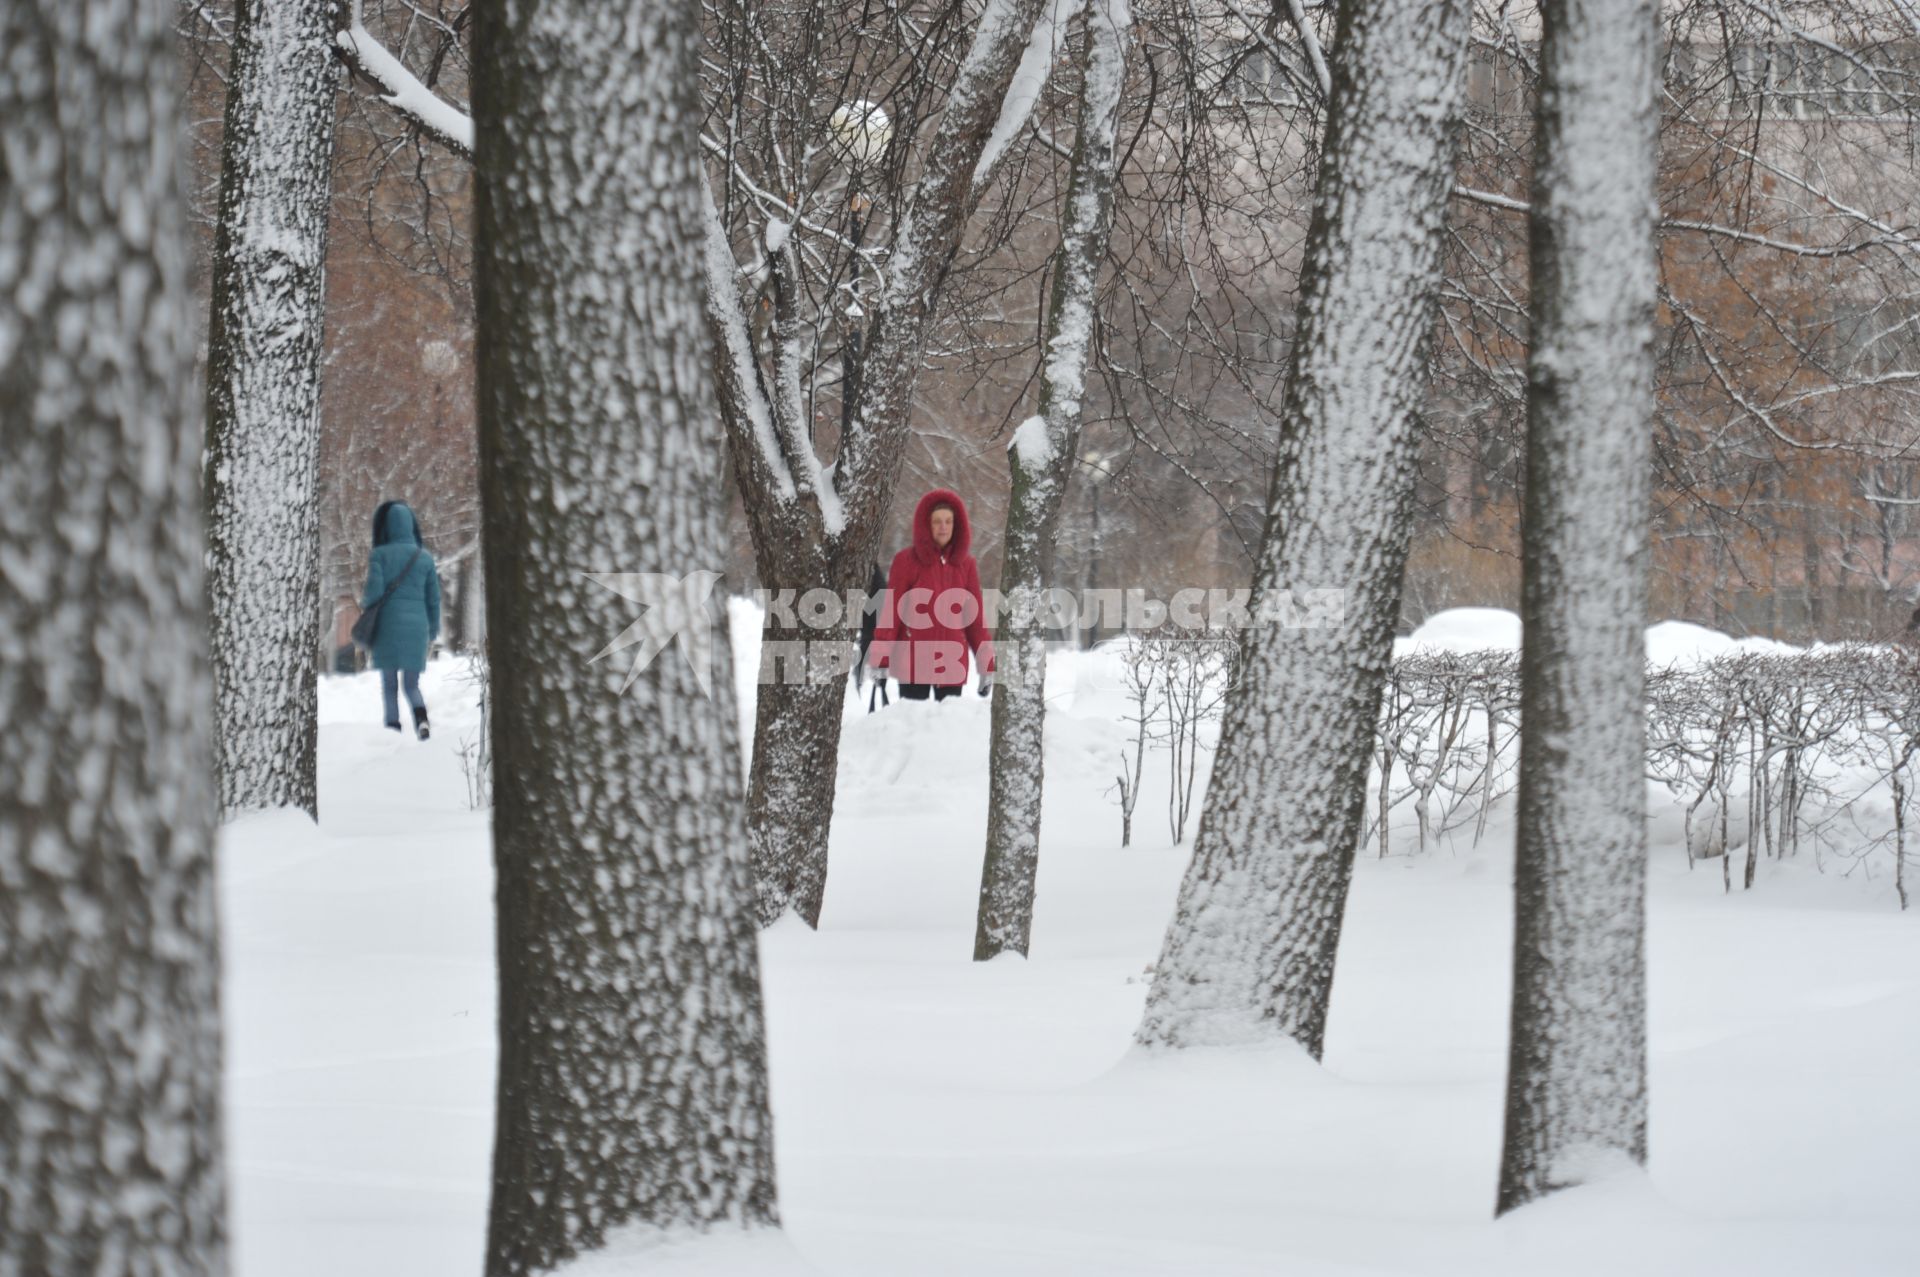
{"x":788,"y":535}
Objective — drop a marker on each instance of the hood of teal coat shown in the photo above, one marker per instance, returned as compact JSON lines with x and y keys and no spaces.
{"x":394,"y":524}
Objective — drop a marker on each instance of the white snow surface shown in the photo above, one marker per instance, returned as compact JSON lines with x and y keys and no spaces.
{"x":1464,"y":629}
{"x":937,"y":1116}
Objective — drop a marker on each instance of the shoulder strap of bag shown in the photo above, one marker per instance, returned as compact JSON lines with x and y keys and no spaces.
{"x":403,"y":576}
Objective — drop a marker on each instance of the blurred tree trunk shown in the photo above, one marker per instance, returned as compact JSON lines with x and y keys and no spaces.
{"x":1577,"y":1065}
{"x":1041,"y":460}
{"x":263,"y":400}
{"x":110,"y":1140}
{"x":1250,"y":952}
{"x":632,"y":1080}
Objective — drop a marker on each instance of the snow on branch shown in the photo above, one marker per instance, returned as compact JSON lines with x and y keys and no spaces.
{"x":402,"y":90}
{"x":787,"y":396}
{"x":947,"y":188}
{"x":1492,"y":199}
{"x":1090,"y":194}
{"x":737,"y":368}
{"x":1034,"y":445}
{"x":1262,"y":34}
{"x":1790,"y":246}
{"x":773,"y":206}
{"x":773,"y":434}
{"x":1310,"y":41}
{"x":1507,"y":203}
{"x":1044,"y":46}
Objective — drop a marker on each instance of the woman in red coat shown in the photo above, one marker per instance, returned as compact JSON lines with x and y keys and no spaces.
{"x":934,"y":615}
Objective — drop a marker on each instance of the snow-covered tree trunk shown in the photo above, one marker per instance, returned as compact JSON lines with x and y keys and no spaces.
{"x":1250,"y":952}
{"x":1040,"y":461}
{"x":815,"y":528}
{"x":110,"y":1142}
{"x":1577,"y":1067}
{"x":796,"y":751}
{"x":263,"y":400}
{"x":632,"y":1080}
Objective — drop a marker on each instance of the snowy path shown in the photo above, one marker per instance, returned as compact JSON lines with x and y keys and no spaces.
{"x":941,"y":1117}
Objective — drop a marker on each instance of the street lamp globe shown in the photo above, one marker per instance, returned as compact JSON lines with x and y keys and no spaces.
{"x":862,"y":129}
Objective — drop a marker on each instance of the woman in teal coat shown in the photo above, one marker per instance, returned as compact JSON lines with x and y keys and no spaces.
{"x":401,"y":571}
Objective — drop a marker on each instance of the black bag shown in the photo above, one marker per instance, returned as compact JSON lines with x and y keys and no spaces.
{"x":367,"y":628}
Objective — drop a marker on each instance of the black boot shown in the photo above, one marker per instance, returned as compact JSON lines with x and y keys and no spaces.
{"x":393,"y":726}
{"x":420,"y":722}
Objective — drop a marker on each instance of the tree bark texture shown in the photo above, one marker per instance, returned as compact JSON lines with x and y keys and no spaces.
{"x":263,"y":400}
{"x":1041,"y":461}
{"x":632,"y":1079}
{"x":110,"y":1132}
{"x":1577,"y":1064}
{"x":1250,"y":953}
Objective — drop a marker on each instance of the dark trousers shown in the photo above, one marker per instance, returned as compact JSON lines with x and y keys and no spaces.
{"x":390,"y":692}
{"x":920,"y":691}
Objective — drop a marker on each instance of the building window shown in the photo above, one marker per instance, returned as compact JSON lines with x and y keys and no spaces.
{"x":1797,"y":79}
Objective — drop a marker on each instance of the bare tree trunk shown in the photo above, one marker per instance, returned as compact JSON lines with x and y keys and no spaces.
{"x":1576,"y":1080}
{"x":632,"y":1079}
{"x":1385,"y":804}
{"x":1250,"y":952}
{"x":1897,"y":778}
{"x":263,"y":400}
{"x":110,"y":1133}
{"x":1724,"y":801}
{"x":1756,"y":810}
{"x":795,"y":750}
{"x":1041,"y":460}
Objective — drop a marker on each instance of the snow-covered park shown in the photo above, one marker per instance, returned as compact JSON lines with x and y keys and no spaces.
{"x":1393,"y":528}
{"x":936,"y":1115}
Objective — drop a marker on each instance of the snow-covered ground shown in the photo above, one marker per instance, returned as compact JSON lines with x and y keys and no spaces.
{"x":939,"y":1116}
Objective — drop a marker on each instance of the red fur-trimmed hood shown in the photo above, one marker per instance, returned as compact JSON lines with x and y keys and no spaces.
{"x":923,"y":547}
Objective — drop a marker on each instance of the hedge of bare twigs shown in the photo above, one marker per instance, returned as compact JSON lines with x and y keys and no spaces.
{"x":1768,"y":755}
{"x":1803,"y":753}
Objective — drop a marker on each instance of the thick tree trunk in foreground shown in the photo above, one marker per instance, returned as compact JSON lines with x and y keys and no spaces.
{"x":1249,"y":955}
{"x":817,"y":529}
{"x":110,"y":1157}
{"x":1577,"y":1067}
{"x":263,"y":400}
{"x":632,"y":1082}
{"x":1041,"y":460}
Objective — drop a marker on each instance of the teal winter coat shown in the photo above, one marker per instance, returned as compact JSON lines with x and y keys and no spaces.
{"x":410,"y":619}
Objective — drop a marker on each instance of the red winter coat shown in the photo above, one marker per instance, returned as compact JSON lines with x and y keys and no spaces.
{"x":933,"y":615}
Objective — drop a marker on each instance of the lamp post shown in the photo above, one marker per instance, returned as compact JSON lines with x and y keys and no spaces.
{"x":862,"y":130}
{"x":1095,"y":460}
